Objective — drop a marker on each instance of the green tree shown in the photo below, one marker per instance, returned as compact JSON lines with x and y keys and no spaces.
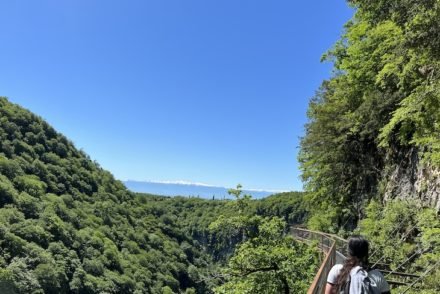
{"x":266,"y":259}
{"x":271,"y":262}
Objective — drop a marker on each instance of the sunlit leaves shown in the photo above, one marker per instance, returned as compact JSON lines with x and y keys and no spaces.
{"x":383,"y":99}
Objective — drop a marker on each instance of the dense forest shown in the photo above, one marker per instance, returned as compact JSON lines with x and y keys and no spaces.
{"x":67,"y":226}
{"x":370,"y":157}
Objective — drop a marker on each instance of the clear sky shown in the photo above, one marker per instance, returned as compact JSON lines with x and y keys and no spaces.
{"x":211,"y":91}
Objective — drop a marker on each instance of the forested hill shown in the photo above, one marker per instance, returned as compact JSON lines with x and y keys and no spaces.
{"x":374,"y":127}
{"x":67,"y":226}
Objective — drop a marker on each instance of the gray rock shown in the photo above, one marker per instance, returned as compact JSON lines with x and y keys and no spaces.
{"x":412,"y":179}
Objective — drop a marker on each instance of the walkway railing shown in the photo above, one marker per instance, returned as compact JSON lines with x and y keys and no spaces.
{"x":333,"y":250}
{"x":328,"y":246}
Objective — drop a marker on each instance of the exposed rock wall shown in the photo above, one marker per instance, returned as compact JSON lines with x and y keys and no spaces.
{"x":412,"y":179}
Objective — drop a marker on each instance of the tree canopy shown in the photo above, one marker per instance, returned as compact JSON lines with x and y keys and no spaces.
{"x":381,"y":104}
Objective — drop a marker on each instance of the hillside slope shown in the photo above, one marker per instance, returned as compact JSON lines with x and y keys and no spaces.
{"x":67,"y":226}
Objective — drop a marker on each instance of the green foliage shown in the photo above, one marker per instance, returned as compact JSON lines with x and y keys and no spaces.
{"x":67,"y":226}
{"x":9,"y":168}
{"x":7,"y":282}
{"x":382,"y":101}
{"x":266,"y":260}
{"x":30,"y":184}
{"x":288,"y":205}
{"x":388,"y":226}
{"x":7,"y":191}
{"x":380,"y":111}
{"x":242,"y":201}
{"x":407,"y":237}
{"x":271,"y":262}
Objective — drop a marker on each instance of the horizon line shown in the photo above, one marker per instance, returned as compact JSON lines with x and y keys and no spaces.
{"x":199,"y":184}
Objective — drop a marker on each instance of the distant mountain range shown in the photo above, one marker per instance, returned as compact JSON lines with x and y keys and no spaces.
{"x":181,"y":188}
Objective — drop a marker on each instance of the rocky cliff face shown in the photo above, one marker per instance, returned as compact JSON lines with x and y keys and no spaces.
{"x":410,"y":178}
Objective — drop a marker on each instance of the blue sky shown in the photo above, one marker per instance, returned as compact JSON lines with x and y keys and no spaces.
{"x":211,"y":91}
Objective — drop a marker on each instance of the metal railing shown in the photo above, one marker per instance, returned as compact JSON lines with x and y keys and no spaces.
{"x":328,"y":245}
{"x":333,"y":250}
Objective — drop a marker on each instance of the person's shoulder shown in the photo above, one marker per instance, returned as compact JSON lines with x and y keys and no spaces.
{"x":334,"y":273}
{"x":336,"y":269}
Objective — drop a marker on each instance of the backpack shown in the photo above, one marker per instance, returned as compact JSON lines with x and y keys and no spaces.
{"x":358,"y":282}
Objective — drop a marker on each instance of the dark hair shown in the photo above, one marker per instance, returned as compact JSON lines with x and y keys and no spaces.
{"x":357,"y":255}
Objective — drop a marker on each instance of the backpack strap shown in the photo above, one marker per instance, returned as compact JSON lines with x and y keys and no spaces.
{"x":362,"y":282}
